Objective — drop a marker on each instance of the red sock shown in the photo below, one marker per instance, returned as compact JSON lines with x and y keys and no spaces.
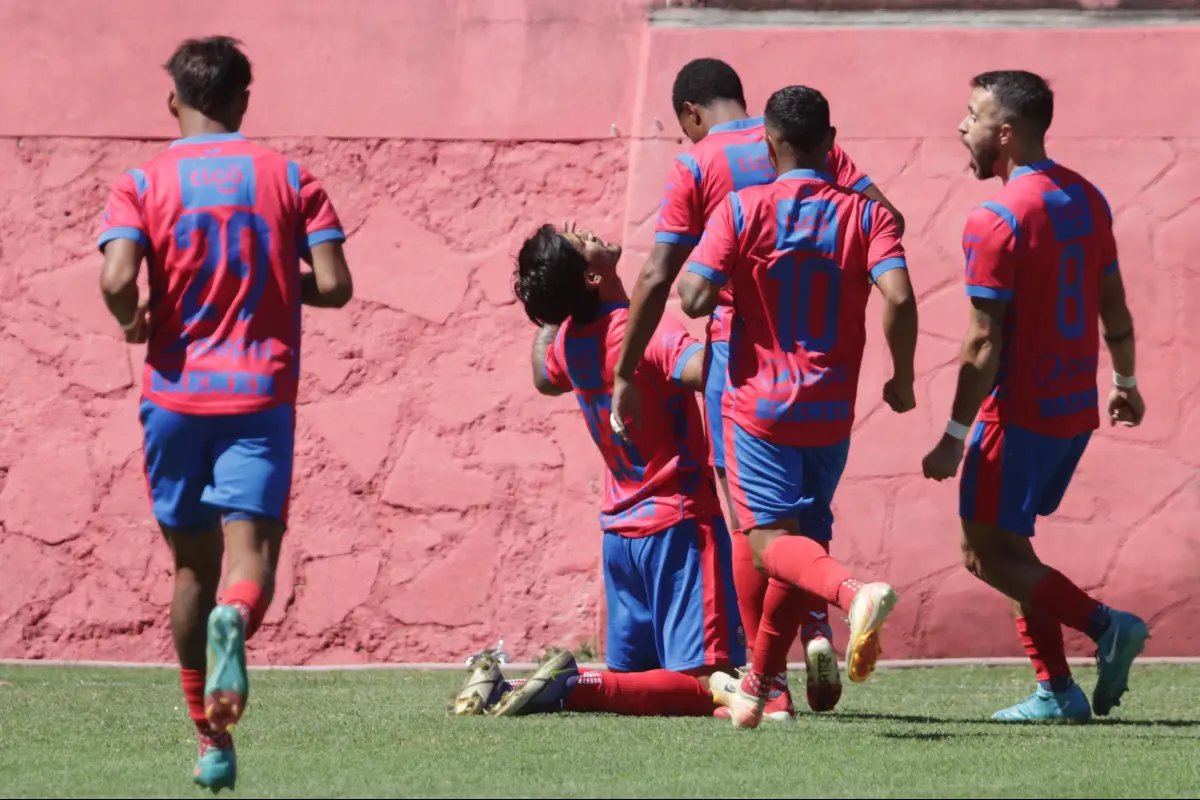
{"x":780,"y":623}
{"x":1057,"y":598}
{"x":192,"y":681}
{"x":814,"y":617}
{"x":658,"y":693}
{"x":802,"y":562}
{"x":247,"y":597}
{"x":750,"y":584}
{"x":1043,"y":641}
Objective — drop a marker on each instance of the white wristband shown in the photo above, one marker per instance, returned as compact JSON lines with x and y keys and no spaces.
{"x":957,"y":429}
{"x":1124,"y":381}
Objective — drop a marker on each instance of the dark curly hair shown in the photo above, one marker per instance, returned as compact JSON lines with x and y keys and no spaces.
{"x":549,"y":280}
{"x":209,"y":73}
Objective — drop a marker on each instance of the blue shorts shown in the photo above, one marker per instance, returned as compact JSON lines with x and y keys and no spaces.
{"x":202,"y":468}
{"x":1011,"y":475}
{"x":671,"y":601}
{"x":772,"y":482}
{"x":716,"y":382}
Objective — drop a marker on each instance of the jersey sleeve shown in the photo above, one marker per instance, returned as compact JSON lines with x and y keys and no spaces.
{"x":885,"y":251}
{"x":321,"y":223}
{"x":846,"y":172}
{"x":681,"y":215}
{"x":554,"y":369}
{"x":717,"y":254}
{"x":671,"y":348}
{"x":989,"y":244}
{"x":123,"y":217}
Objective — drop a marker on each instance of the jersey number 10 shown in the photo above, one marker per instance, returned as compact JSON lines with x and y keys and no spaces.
{"x":795,"y":302}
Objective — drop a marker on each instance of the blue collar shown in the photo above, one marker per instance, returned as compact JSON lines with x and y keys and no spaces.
{"x":806,"y":174}
{"x":737,"y":125}
{"x":608,"y":308}
{"x":1029,"y":169}
{"x":207,"y":138}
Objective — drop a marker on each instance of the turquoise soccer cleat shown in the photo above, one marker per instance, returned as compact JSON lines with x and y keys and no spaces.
{"x":1118,"y":647}
{"x":1069,"y":705}
{"x":227,"y":686}
{"x":216,"y":768}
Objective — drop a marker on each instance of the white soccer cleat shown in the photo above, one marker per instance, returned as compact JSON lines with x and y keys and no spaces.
{"x":868,"y":612}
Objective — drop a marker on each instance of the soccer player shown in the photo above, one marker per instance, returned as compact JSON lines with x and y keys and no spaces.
{"x":1041,"y":265}
{"x":730,"y":153}
{"x":800,"y":256}
{"x":672,"y":614}
{"x":223,"y":224}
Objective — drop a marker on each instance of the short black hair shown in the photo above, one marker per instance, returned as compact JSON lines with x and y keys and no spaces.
{"x":209,"y":73}
{"x":1021,"y":95}
{"x":549,"y":280}
{"x":801,"y":114}
{"x":704,"y":81}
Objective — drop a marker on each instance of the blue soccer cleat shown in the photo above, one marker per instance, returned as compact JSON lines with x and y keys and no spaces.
{"x":544,"y":692}
{"x":1118,"y":647}
{"x":227,"y":686}
{"x":216,"y":768}
{"x":1069,"y":705}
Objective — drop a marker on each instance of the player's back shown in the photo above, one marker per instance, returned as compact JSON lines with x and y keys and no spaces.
{"x":808,"y":254}
{"x":224,"y":223}
{"x":661,"y":478}
{"x":1050,"y":231}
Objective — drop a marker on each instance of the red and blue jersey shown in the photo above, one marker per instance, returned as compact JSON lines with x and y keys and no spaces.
{"x":224,"y":223}
{"x":662,"y":477}
{"x":800,"y":256}
{"x":733,"y":156}
{"x":1043,"y":243}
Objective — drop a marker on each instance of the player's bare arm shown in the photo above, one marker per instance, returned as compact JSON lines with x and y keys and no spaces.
{"x":329,"y":284}
{"x":1125,"y":404}
{"x":646,"y":308}
{"x":543,"y":340}
{"x":978,"y":362}
{"x":698,"y":295}
{"x":118,"y":284}
{"x":900,"y":330}
{"x":875,"y":193}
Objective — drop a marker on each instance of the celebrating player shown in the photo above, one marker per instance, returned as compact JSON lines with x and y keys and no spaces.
{"x":672,"y":614}
{"x":799,"y":256}
{"x":224,"y":224}
{"x":1042,"y":248}
{"x":730,"y":153}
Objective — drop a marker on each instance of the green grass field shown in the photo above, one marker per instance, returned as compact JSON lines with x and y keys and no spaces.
{"x":89,"y":732}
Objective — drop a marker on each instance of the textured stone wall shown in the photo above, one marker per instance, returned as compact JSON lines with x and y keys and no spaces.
{"x":439,"y":503}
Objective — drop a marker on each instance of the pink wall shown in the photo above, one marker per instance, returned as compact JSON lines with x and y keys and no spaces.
{"x":439,"y":503}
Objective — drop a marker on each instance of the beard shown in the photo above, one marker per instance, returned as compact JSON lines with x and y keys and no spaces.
{"x":983,"y":160}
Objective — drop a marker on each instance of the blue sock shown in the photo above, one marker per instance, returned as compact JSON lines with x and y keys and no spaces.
{"x":1056,"y":685}
{"x":1098,"y":623}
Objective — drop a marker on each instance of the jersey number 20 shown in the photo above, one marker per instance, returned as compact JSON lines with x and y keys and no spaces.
{"x":224,"y":247}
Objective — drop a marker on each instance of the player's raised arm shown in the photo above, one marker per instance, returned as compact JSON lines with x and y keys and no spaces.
{"x":1125,"y":404}
{"x":847,"y":174}
{"x":714,"y":261}
{"x":123,"y":242}
{"x":889,"y":271}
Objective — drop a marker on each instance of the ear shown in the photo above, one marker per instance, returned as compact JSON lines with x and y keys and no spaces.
{"x":171,"y":105}
{"x":693,"y":113}
{"x":1006,"y":133}
{"x":772,"y":152}
{"x":832,"y":138}
{"x":591,"y":279}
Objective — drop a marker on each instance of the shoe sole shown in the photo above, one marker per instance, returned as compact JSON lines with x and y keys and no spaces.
{"x":865,"y":648}
{"x":824,"y":686}
{"x":227,"y":688}
{"x":472,"y":698}
{"x":511,"y":704}
{"x":1106,"y":701}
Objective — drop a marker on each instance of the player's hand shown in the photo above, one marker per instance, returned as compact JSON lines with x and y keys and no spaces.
{"x":139,"y":329}
{"x":943,"y":460}
{"x":626,"y":405}
{"x":1125,"y":406}
{"x":898,"y":393}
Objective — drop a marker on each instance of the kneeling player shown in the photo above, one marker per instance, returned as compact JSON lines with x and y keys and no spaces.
{"x":672,"y":609}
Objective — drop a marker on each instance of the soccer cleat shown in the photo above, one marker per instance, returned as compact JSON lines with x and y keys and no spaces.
{"x":216,"y":768}
{"x":227,"y":686}
{"x":824,"y":681}
{"x":543,"y":692}
{"x":868,"y":611}
{"x":1069,"y":705}
{"x":485,"y":683}
{"x":1118,"y":647}
{"x":746,"y":709}
{"x":779,"y":707}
